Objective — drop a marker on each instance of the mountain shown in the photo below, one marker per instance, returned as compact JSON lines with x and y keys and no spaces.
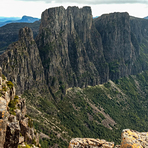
{"x":146,"y":17}
{"x":82,"y":77}
{"x":4,"y":19}
{"x":24,"y":19}
{"x":28,"y":19}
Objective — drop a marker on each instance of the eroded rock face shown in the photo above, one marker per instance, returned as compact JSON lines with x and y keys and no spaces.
{"x":67,"y":42}
{"x":134,"y":139}
{"x":21,"y":62}
{"x":90,"y":142}
{"x":12,"y":135}
{"x":12,"y":115}
{"x":119,"y":49}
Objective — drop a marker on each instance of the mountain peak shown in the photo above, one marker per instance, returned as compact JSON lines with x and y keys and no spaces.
{"x":25,"y":32}
{"x":28,"y":17}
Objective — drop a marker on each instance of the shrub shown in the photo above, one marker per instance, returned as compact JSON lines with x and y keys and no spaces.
{"x":3,"y":77}
{"x":12,"y":105}
{"x":27,"y":146}
{"x":10,"y":84}
{"x":16,"y":97}
{"x":30,"y":123}
{"x":4,"y":88}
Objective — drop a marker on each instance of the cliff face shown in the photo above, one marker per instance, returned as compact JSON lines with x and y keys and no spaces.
{"x":139,"y":28}
{"x":119,"y":50}
{"x":67,"y":44}
{"x":21,"y":63}
{"x":77,"y":51}
{"x":15,"y":127}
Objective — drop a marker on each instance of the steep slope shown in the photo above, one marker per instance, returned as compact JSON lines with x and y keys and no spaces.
{"x":140,"y":30}
{"x":119,"y":50}
{"x":115,"y":105}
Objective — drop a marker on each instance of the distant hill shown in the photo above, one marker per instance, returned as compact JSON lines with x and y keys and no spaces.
{"x":95,"y":17}
{"x":146,"y":17}
{"x":27,"y":19}
{"x":24,"y":19}
{"x":4,"y":19}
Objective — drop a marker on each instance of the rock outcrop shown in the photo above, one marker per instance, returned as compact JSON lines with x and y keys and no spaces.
{"x":9,"y":33}
{"x":15,"y":127}
{"x":134,"y":139}
{"x":139,"y":30}
{"x":119,"y":50}
{"x":78,"y":51}
{"x":70,"y":48}
{"x":90,"y":142}
{"x":21,"y":63}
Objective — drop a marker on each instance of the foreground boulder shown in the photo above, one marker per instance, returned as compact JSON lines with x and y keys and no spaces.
{"x":134,"y":139}
{"x":90,"y":142}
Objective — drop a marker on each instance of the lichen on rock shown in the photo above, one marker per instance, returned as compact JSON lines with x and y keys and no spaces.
{"x":134,"y":139}
{"x":90,"y":142}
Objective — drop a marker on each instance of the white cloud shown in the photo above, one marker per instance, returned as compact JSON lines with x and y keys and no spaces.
{"x":18,"y":8}
{"x":95,"y":1}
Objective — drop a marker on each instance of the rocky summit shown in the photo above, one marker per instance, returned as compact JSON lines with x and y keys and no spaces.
{"x":16,"y":128}
{"x":90,"y":142}
{"x":134,"y":139}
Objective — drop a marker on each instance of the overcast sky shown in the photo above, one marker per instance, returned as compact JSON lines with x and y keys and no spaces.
{"x":18,"y":8}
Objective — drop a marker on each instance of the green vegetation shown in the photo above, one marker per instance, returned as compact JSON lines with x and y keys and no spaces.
{"x":30,"y":123}
{"x":3,"y":77}
{"x":125,"y":100}
{"x":12,"y":105}
{"x":4,"y":88}
{"x":45,"y":143}
{"x":27,"y":146}
{"x":10,"y":84}
{"x":114,"y":66}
